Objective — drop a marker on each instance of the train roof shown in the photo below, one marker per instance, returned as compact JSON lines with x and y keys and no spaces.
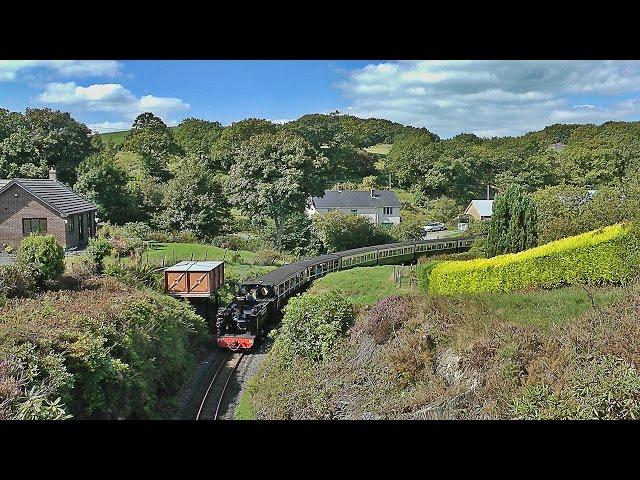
{"x":282,"y":273}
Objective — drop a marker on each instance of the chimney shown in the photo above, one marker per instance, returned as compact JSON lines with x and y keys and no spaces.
{"x":339,"y":187}
{"x":373,"y":195}
{"x":52,"y":173}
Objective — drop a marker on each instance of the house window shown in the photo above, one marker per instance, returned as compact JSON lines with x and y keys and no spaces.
{"x":387,"y":210}
{"x":354,"y":211}
{"x":72,"y":223}
{"x":34,"y":225}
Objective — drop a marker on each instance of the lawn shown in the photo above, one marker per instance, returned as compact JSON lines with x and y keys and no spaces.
{"x":380,"y":148}
{"x":175,"y":252}
{"x":544,"y":308}
{"x":363,"y":285}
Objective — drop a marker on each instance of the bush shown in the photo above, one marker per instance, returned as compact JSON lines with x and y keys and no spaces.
{"x":386,"y":316}
{"x":98,"y":249}
{"x":45,"y":253}
{"x":267,"y":256}
{"x":139,"y":230}
{"x":607,"y":255}
{"x":111,"y":352}
{"x":311,"y":324}
{"x":18,"y":280}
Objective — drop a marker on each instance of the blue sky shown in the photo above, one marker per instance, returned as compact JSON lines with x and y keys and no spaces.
{"x":448,"y":97}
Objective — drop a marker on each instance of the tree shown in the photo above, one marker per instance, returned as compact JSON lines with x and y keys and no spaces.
{"x":342,"y":231}
{"x":197,"y":137}
{"x":104,"y":182}
{"x":408,"y":229}
{"x":513,"y":224}
{"x":273,"y":176}
{"x":194,"y":201}
{"x":153,"y":141}
{"x":39,"y":139}
{"x":226,"y":146}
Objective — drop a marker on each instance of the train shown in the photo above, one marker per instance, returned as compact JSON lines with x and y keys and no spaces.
{"x":258,"y":301}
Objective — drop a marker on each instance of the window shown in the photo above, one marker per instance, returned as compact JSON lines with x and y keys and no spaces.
{"x":354,"y":211}
{"x":72,"y":223}
{"x":34,"y":225}
{"x":387,"y":210}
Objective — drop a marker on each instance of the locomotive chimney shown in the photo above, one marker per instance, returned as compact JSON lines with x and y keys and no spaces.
{"x":52,"y":173}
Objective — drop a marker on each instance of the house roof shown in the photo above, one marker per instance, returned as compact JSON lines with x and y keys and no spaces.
{"x":484,"y":207}
{"x":356,"y":199}
{"x":53,"y":194}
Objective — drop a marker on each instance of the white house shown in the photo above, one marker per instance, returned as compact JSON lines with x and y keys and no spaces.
{"x":381,"y":207}
{"x":480,"y":209}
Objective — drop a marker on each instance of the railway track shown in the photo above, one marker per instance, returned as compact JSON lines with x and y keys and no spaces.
{"x":210,"y":407}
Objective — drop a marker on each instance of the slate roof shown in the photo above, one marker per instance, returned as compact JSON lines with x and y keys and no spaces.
{"x":53,"y":194}
{"x":484,"y":207}
{"x":356,"y":199}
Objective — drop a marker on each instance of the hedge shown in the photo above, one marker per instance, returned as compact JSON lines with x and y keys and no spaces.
{"x":606,"y":255}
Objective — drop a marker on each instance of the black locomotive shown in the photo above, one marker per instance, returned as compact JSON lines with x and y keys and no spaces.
{"x":258,"y":302}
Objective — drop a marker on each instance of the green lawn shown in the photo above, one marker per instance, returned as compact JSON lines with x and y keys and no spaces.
{"x":544,"y":308}
{"x":380,"y":148}
{"x":362,"y":285}
{"x":200,"y":252}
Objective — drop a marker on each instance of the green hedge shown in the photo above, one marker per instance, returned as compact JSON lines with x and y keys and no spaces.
{"x":607,"y":255}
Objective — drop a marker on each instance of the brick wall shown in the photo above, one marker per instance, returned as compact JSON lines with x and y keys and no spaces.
{"x":16,"y":204}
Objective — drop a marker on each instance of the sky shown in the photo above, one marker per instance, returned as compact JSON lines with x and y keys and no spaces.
{"x":488,"y":98}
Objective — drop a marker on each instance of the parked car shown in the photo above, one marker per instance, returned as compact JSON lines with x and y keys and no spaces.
{"x":434,"y":227}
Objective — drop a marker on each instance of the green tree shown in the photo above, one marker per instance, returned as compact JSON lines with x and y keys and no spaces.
{"x":197,"y":137}
{"x":39,"y":139}
{"x":273,"y":176}
{"x":342,"y":231}
{"x":104,"y":182}
{"x":153,"y":141}
{"x":513,"y":224}
{"x":228,"y":143}
{"x":194,"y":201}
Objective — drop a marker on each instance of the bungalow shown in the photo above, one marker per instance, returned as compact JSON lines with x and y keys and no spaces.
{"x":480,"y":209}
{"x":44,"y":205}
{"x":381,"y":207}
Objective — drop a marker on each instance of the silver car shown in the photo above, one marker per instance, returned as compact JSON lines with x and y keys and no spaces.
{"x":434,"y":227}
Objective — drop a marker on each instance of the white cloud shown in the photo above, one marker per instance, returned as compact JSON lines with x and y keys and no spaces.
{"x":105,"y":127}
{"x":493,"y":97}
{"x":9,"y":69}
{"x":109,"y":97}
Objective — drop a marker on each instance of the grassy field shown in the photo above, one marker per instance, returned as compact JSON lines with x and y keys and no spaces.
{"x":544,"y":308}
{"x":380,"y":148}
{"x":200,"y":252}
{"x":363,"y":285}
{"x":116,"y":137}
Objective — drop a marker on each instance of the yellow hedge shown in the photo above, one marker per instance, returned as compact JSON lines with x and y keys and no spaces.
{"x":606,"y":255}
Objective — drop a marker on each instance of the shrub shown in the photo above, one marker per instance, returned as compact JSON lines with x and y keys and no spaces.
{"x":18,"y":280}
{"x":139,"y":230}
{"x":386,"y":316}
{"x":45,"y":253}
{"x":311,"y":324}
{"x":98,"y":249}
{"x":513,"y":224}
{"x":267,"y":256}
{"x":607,"y":255}
{"x":8,"y":248}
{"x":111,"y":352}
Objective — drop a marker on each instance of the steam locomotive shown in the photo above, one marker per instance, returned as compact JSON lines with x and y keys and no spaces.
{"x":259,"y":301}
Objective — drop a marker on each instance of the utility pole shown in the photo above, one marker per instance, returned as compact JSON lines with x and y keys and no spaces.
{"x":389,"y":181}
{"x":488,"y":190}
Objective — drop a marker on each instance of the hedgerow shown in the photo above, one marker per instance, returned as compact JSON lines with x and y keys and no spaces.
{"x":607,"y":255}
{"x":111,"y":352}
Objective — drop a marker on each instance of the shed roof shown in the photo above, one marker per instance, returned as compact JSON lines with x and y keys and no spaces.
{"x":484,"y":207}
{"x":52,"y":193}
{"x":193,"y":266}
{"x":356,"y":198}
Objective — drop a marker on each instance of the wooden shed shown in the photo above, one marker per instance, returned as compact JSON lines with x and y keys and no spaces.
{"x":194,"y":279}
